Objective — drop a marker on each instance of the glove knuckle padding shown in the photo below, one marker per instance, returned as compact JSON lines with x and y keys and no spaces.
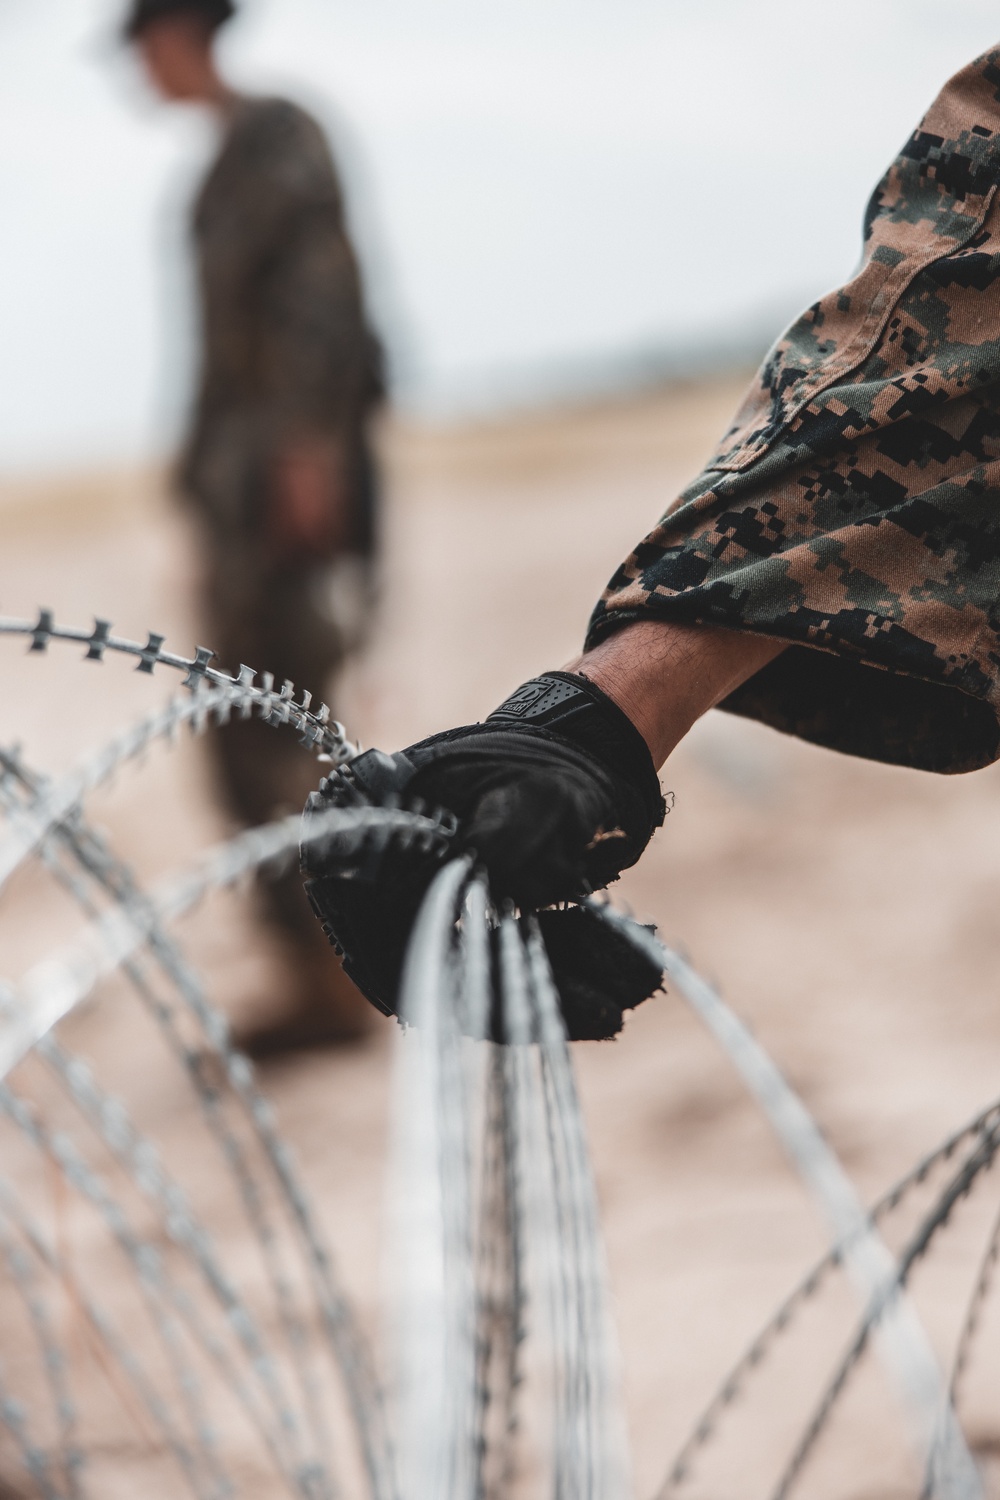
{"x":555,"y":794}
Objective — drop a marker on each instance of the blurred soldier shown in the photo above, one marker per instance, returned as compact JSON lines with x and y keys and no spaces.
{"x":277,"y":467}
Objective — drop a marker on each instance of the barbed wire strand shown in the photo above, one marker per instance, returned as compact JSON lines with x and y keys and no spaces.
{"x":338,"y":1321}
{"x":169,"y":1308}
{"x":54,"y":1363}
{"x":969,"y":1328}
{"x":136,"y":1154}
{"x":882,"y":1302}
{"x":542,"y":1206}
{"x":903,"y":1343}
{"x":971,"y":1324}
{"x":501,"y":1284}
{"x":35,"y":1460}
{"x":781,"y":1320}
{"x":280,"y":707}
{"x":595,"y":1415}
{"x":56,"y":986}
{"x":117,"y":1348}
{"x":495,"y":1242}
{"x":433,"y":1279}
{"x":211,"y":705}
{"x":100,"y":640}
{"x":561,"y":1229}
{"x":76,"y":840}
{"x":539,"y":1211}
{"x":466,"y":1076}
{"x":977,"y":1303}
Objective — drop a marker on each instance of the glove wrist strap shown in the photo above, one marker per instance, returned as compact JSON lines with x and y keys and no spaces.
{"x":577,"y":710}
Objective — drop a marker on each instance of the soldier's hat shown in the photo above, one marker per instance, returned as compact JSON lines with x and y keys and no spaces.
{"x":142,"y":12}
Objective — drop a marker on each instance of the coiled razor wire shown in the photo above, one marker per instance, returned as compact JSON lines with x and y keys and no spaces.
{"x":23,"y":1273}
{"x":501,"y":1281}
{"x":750,"y":1361}
{"x":113,"y":877}
{"x":57,"y":809}
{"x":108,"y":1342}
{"x":55,"y":987}
{"x":555,"y":1236}
{"x":278,"y":708}
{"x":904,"y":1346}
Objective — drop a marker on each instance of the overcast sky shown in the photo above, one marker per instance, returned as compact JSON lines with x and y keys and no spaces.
{"x":539,"y":185}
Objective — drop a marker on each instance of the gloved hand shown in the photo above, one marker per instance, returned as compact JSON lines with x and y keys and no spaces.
{"x":555,"y":794}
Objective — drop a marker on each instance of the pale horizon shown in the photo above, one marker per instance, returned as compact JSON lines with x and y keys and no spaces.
{"x":542,"y":191}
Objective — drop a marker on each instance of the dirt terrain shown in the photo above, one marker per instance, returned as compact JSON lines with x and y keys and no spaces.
{"x":848,"y":911}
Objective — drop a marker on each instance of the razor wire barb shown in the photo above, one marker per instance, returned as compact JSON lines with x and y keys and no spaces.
{"x":781,"y":1320}
{"x":215,"y":696}
{"x":24,"y":1276}
{"x":56,"y":986}
{"x":974,"y":1311}
{"x":150,"y":1404}
{"x":555,"y":1278}
{"x":52,"y":989}
{"x":88,"y":850}
{"x":957,"y":1188}
{"x":903,"y":1343}
{"x":277,"y":707}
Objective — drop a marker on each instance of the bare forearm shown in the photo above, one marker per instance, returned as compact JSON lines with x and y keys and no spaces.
{"x":665,"y":676}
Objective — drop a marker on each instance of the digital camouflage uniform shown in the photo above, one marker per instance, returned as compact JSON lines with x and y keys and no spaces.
{"x":853,"y":508}
{"x":287,"y":353}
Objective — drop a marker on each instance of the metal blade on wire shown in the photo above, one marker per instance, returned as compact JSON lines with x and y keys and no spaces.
{"x":444,"y":1097}
{"x":35,"y":1460}
{"x":938,"y":1474}
{"x":595,"y":1460}
{"x":432,"y":1268}
{"x":109,"y":1118}
{"x":539,"y":1210}
{"x":72,"y":843}
{"x":498,"y":1229}
{"x":901,"y":1339}
{"x":561,"y":1230}
{"x":731,"y":1386}
{"x":23,"y":1275}
{"x":117,"y":1347}
{"x":64,"y":796}
{"x":55,"y":987}
{"x":361,"y":1388}
{"x":170,"y":1310}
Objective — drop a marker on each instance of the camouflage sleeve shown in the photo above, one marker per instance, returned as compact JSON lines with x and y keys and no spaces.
{"x":853,"y":509}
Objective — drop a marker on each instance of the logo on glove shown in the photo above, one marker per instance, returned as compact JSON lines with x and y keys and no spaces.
{"x":535,"y":698}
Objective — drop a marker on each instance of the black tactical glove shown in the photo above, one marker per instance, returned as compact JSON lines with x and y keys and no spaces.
{"x":555,"y":794}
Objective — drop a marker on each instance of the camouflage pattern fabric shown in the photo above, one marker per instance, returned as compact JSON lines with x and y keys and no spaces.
{"x":286,"y":349}
{"x":853,"y":508}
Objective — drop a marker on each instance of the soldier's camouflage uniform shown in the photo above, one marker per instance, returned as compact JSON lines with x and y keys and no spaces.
{"x":287,"y":354}
{"x":853,"y":508}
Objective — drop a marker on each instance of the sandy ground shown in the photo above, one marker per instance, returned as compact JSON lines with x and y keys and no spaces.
{"x":848,"y":911}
